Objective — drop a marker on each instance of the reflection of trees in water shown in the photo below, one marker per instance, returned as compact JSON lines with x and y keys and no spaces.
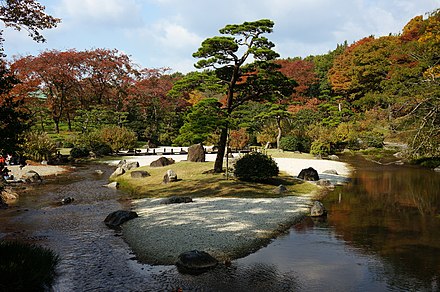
{"x":256,"y":277}
{"x":392,"y":212}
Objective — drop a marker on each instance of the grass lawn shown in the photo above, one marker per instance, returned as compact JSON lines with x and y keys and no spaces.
{"x":195,"y":182}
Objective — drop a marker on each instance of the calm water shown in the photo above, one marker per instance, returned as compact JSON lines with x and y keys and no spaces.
{"x":382,"y":234}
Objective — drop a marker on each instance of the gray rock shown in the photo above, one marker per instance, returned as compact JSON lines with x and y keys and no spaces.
{"x":130,"y":165}
{"x":32,"y":177}
{"x":324,"y":183}
{"x":162,"y":161}
{"x":196,"y":153}
{"x":195,"y":262}
{"x":113,"y":185}
{"x":125,"y":165}
{"x":67,"y":200}
{"x":176,"y":200}
{"x":118,"y":172}
{"x":317,"y":209}
{"x":330,"y":171}
{"x":333,"y":157}
{"x":99,"y":172}
{"x":309,"y":174}
{"x":139,"y":174}
{"x":170,"y":176}
{"x":281,"y":189}
{"x":115,"y":219}
{"x":437,"y":168}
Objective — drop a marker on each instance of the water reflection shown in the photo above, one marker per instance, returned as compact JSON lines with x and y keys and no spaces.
{"x":382,"y":233}
{"x":393,"y":213}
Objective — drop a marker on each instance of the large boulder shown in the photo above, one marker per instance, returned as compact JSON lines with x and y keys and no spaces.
{"x":118,"y":172}
{"x":309,"y":174}
{"x":195,"y":262}
{"x":139,"y":174}
{"x":127,"y":165}
{"x":116,"y":218}
{"x":196,"y":153}
{"x":318,"y":209}
{"x":170,"y":176}
{"x":162,"y":161}
{"x":31,"y":177}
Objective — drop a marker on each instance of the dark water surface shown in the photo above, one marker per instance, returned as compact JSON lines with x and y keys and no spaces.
{"x":382,"y":234}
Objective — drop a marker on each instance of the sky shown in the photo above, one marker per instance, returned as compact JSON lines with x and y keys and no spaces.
{"x":165,"y":33}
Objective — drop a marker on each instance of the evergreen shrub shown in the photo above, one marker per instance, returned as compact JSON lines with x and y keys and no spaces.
{"x":255,"y":167}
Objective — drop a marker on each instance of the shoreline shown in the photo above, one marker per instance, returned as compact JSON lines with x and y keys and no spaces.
{"x":42,"y":170}
{"x":227,"y":228}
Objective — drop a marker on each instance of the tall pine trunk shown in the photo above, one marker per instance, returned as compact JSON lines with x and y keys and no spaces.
{"x":218,"y":165}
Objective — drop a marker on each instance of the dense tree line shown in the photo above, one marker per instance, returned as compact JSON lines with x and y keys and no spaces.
{"x":355,"y":96}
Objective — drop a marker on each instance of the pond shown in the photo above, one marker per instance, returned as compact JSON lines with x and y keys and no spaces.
{"x":382,"y":233}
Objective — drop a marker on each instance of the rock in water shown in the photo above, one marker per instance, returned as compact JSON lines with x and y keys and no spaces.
{"x":32,"y":177}
{"x":113,"y":185}
{"x":318,"y":210}
{"x":195,"y":262}
{"x":67,"y":200}
{"x":115,"y":219}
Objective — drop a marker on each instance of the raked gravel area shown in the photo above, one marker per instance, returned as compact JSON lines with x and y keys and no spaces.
{"x":226,"y":228}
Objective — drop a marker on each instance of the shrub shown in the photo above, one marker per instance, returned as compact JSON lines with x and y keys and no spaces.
{"x":38,"y":145}
{"x":118,"y":137}
{"x":102,"y":149}
{"x":295,"y":143}
{"x":255,"y":167}
{"x":25,"y":267}
{"x":320,"y":147}
{"x":372,"y":139}
{"x":79,"y":152}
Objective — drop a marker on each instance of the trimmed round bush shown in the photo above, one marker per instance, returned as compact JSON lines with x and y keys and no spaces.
{"x":255,"y":167}
{"x":78,"y":152}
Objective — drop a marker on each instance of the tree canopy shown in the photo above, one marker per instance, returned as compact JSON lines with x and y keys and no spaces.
{"x":227,"y":56}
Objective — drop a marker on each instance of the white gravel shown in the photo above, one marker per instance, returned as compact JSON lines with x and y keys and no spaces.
{"x":227,"y":228}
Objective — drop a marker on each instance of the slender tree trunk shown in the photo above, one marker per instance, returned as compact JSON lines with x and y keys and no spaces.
{"x":69,"y":122}
{"x":218,"y":165}
{"x":57,"y":125}
{"x":279,"y":131}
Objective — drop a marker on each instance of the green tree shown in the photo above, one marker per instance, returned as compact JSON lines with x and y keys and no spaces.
{"x":228,"y":55}
{"x":202,"y":121}
{"x":277,"y":113}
